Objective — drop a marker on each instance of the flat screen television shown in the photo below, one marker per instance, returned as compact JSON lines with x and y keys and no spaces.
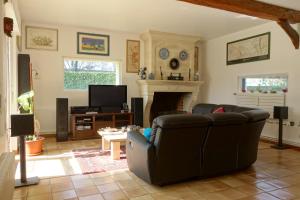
{"x":109,"y":98}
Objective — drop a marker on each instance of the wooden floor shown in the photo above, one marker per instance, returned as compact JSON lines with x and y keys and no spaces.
{"x":275,"y":175}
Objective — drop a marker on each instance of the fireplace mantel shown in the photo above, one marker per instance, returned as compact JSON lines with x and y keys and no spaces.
{"x":149,"y":87}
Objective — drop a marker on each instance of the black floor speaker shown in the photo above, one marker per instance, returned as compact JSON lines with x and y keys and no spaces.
{"x":62,"y":119}
{"x":137,"y":110}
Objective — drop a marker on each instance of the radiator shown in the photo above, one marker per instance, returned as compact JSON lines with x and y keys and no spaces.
{"x":260,"y":100}
{"x":7,"y":175}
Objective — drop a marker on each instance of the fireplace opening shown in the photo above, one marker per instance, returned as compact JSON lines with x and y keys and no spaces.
{"x":167,"y":103}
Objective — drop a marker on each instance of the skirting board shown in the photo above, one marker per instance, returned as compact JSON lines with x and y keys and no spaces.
{"x":274,"y":140}
{"x":48,"y":135}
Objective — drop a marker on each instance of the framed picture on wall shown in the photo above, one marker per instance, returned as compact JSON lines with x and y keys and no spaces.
{"x":132,"y":56}
{"x":196,"y":60}
{"x":41,"y":38}
{"x":249,"y":49}
{"x":94,"y":44}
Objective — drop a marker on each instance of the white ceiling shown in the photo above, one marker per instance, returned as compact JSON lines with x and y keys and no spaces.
{"x":140,"y":15}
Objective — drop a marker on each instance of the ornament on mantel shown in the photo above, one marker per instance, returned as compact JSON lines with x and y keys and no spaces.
{"x":196,"y":76}
{"x":151,"y":76}
{"x":142,"y":73}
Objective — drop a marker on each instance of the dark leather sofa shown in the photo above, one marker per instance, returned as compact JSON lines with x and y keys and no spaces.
{"x":197,"y":145}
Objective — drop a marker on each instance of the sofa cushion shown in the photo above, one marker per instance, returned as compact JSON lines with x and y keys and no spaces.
{"x":256,"y":115}
{"x":219,"y":110}
{"x":147,"y":133}
{"x":229,"y":118}
{"x":203,"y":108}
{"x":228,"y":108}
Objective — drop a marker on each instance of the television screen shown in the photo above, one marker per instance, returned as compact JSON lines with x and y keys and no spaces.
{"x":110,"y":97}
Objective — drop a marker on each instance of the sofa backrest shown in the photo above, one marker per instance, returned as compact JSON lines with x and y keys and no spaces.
{"x":178,"y":140}
{"x":204,"y":108}
{"x":253,"y":114}
{"x":220,"y":150}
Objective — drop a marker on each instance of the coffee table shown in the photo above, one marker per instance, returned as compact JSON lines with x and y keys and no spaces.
{"x":112,"y":140}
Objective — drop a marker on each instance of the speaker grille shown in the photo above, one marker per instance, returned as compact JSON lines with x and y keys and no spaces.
{"x":62,"y":119}
{"x":137,"y":110}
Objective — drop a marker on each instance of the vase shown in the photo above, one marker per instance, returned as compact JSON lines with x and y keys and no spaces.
{"x":34,"y":147}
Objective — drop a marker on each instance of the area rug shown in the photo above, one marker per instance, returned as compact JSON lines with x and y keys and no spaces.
{"x":94,"y":160}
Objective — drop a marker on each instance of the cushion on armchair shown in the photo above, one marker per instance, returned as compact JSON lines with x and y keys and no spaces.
{"x":148,"y":133}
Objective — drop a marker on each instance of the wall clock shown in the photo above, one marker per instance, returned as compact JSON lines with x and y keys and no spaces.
{"x":174,"y":63}
{"x":183,"y":55}
{"x":164,"y":53}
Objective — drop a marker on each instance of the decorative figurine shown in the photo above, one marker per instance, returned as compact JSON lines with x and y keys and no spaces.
{"x":196,"y":76}
{"x":142,"y":73}
{"x":151,"y":76}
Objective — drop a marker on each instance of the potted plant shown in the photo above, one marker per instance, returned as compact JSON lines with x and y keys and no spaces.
{"x":34,"y":143}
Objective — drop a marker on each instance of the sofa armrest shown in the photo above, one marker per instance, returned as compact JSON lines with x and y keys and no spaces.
{"x":256,"y":115}
{"x":140,"y":155}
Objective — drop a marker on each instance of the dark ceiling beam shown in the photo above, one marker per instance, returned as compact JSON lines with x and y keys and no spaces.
{"x":283,"y":16}
{"x":293,"y":34}
{"x":252,"y":8}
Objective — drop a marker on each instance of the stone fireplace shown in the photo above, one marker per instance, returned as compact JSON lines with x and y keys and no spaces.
{"x":156,"y":93}
{"x":162,"y":95}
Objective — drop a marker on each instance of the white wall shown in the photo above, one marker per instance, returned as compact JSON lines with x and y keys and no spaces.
{"x":7,"y":74}
{"x":221,"y":81}
{"x":49,"y":65}
{"x":2,"y":113}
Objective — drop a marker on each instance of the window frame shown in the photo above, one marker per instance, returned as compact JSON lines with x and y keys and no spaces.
{"x":241,"y":83}
{"x":118,"y":70}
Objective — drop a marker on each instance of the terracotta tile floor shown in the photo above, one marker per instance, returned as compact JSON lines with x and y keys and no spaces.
{"x":275,"y":175}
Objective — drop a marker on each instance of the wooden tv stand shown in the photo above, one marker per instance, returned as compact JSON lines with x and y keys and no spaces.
{"x":85,"y":126}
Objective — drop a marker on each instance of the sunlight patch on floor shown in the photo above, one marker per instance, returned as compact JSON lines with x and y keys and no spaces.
{"x":56,"y":160}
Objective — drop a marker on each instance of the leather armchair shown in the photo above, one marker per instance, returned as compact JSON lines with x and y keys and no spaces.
{"x":174,"y":155}
{"x":140,"y":155}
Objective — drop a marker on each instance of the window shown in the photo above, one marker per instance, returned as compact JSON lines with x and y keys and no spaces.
{"x":79,"y":74}
{"x":264,"y":83}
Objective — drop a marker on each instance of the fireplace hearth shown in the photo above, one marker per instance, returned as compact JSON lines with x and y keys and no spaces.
{"x":165,"y":96}
{"x":166,"y":103}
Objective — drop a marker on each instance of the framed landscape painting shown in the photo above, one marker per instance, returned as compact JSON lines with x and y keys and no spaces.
{"x":94,"y":44}
{"x":133,"y":56}
{"x":41,"y":38}
{"x":249,"y":49}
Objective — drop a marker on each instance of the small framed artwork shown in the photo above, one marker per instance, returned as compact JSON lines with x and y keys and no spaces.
{"x":94,"y":44}
{"x":133,"y":56}
{"x":249,"y":49}
{"x":41,"y":38}
{"x":196,"y":62}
